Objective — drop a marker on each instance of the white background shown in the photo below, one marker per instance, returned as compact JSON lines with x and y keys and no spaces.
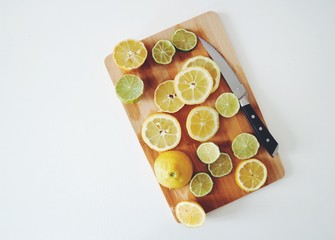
{"x":71,"y":166}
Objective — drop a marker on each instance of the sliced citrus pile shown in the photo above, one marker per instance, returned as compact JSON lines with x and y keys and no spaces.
{"x":250,"y":175}
{"x":129,"y":88}
{"x":166,"y":98}
{"x":202,"y":123}
{"x":245,"y":146}
{"x":184,"y":40}
{"x":208,"y":152}
{"x":222,"y":166}
{"x":193,"y":85}
{"x":190,"y":214}
{"x":163,"y":52}
{"x":209,"y":65}
{"x":161,"y":132}
{"x":227,"y":105}
{"x":129,"y":54}
{"x":201,"y":184}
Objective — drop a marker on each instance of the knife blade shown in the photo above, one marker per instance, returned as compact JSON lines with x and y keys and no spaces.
{"x":262,"y":133}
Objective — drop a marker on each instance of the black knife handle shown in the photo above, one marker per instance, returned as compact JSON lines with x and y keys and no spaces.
{"x":262,"y":133}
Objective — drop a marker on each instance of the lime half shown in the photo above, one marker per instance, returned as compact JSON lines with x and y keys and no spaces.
{"x":222,"y":166}
{"x":201,"y":184}
{"x":184,"y":40}
{"x":129,"y":88}
{"x":227,"y":105}
{"x":208,"y":152}
{"x":245,"y":146}
{"x":163,"y":51}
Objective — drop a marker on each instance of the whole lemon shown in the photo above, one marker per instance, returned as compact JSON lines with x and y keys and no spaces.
{"x":173,"y":169}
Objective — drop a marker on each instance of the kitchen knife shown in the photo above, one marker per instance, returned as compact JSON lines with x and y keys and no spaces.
{"x":262,"y":133}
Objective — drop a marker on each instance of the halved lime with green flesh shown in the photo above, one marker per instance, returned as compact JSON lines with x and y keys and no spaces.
{"x":227,"y":105}
{"x":184,"y":40}
{"x":222,"y":166}
{"x":201,"y":184}
{"x":163,"y":52}
{"x":245,"y":146}
{"x":208,"y":152}
{"x":129,"y":88}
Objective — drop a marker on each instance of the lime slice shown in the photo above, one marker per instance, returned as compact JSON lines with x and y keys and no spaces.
{"x":163,"y":52}
{"x":227,"y":105}
{"x":166,"y":98}
{"x":129,"y":54}
{"x":245,"y":146}
{"x":193,"y":85}
{"x":222,"y":166}
{"x":191,"y":214}
{"x":184,"y":40}
{"x":208,"y":152}
{"x":129,"y":88}
{"x":209,"y":65}
{"x":201,"y":184}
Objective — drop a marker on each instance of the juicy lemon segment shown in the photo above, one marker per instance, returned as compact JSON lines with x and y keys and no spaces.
{"x":202,"y":123}
{"x":166,"y":98}
{"x":129,"y":88}
{"x":227,"y":105}
{"x":184,"y":40}
{"x":251,"y":175}
{"x":222,"y":166}
{"x":245,"y":146}
{"x":209,"y":65}
{"x":191,"y":214}
{"x":201,"y":184}
{"x":129,"y":54}
{"x":193,"y":85}
{"x":163,"y":52}
{"x":161,"y":132}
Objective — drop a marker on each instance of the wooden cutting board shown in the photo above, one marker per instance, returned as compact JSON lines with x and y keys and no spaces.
{"x":225,"y":190}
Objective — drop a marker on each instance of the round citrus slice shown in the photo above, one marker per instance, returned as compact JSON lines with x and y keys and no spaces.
{"x":202,"y":123}
{"x":163,"y":51}
{"x":193,"y":85}
{"x":184,"y":40}
{"x":245,"y":146}
{"x":227,"y":105}
{"x":250,"y":175}
{"x":222,"y":166}
{"x":166,"y":98}
{"x":161,"y":132}
{"x":208,"y":152}
{"x":209,"y":65}
{"x":191,"y":214}
{"x":129,"y":54}
{"x":129,"y":88}
{"x":201,"y":184}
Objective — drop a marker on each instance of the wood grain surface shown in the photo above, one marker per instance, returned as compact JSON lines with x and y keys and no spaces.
{"x":209,"y":27}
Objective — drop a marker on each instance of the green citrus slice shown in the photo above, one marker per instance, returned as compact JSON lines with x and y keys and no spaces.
{"x":129,"y":88}
{"x":163,"y":52}
{"x":166,"y":98}
{"x":245,"y":146}
{"x":201,"y":184}
{"x":227,"y":105}
{"x":184,"y":40}
{"x":208,"y":152}
{"x":222,"y":166}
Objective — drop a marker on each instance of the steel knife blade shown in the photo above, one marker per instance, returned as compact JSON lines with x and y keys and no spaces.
{"x":262,"y":133}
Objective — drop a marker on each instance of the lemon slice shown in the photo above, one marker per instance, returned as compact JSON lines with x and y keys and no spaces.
{"x":161,"y":132}
{"x":202,"y":123}
{"x":193,"y":85}
{"x":163,"y":51}
{"x":184,"y":40}
{"x":166,"y":98}
{"x":129,"y":88}
{"x":250,"y":175}
{"x":222,"y":166}
{"x":201,"y":184}
{"x":245,"y":146}
{"x":129,"y":54}
{"x":208,"y":152}
{"x":209,"y":65}
{"x":227,"y":105}
{"x":191,"y":214}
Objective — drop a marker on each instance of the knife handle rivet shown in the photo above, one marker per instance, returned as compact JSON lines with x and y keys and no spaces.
{"x":252,"y":116}
{"x":260,"y":128}
{"x":267,"y":140}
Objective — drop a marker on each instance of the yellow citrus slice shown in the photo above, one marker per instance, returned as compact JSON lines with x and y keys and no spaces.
{"x":209,"y":65}
{"x":184,"y":40}
{"x":193,"y":85}
{"x":201,"y":184}
{"x":129,"y":88}
{"x":227,"y":105}
{"x":208,"y":152}
{"x":163,"y":52}
{"x":245,"y":146}
{"x":191,"y":214}
{"x":250,"y":175}
{"x":129,"y":54}
{"x":161,"y":132}
{"x":202,"y":123}
{"x":222,"y":166}
{"x":166,"y":98}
